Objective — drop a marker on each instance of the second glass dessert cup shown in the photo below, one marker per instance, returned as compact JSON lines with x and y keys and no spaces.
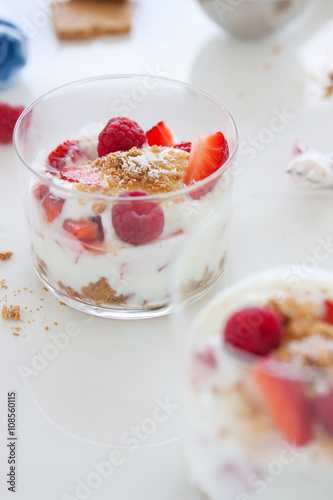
{"x":261,"y":426}
{"x":107,"y":276}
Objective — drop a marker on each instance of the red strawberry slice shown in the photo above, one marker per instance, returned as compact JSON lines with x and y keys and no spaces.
{"x":52,"y":206}
{"x":85,"y":230}
{"x":81,"y":174}
{"x":208,"y":154}
{"x":328,"y":315}
{"x":284,"y":401}
{"x":184,"y":146}
{"x":39,"y":191}
{"x":160,"y":135}
{"x":323,"y":410}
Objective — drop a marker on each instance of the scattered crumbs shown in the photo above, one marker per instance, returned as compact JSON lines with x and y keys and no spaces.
{"x":41,"y":299}
{"x":24,"y":335}
{"x":16,"y":331}
{"x":44,"y":288}
{"x":30,"y":310}
{"x":62,"y":303}
{"x":29,"y":321}
{"x":268,"y":66}
{"x":37,"y":309}
{"x":55,"y":323}
{"x":5,"y":255}
{"x":30,"y":291}
{"x":25,"y":307}
{"x":46,"y":328}
{"x":11,"y":312}
{"x":25,"y":288}
{"x":3,"y":284}
{"x":277,"y":49}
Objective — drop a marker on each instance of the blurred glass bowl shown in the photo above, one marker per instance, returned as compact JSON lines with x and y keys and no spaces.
{"x":248,"y":18}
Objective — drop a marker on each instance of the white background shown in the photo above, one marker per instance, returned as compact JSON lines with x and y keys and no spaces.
{"x":65,"y":412}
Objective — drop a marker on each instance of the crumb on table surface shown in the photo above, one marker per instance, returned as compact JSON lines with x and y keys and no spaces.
{"x":5,"y":255}
{"x":10,"y":312}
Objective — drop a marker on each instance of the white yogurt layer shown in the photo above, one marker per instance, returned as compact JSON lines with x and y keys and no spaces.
{"x":241,"y":458}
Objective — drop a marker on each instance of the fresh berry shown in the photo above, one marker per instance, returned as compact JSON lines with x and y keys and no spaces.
{"x":254,"y":329}
{"x":85,"y":230}
{"x":160,"y":135}
{"x":8,"y":117}
{"x":323,"y":410}
{"x":207,"y":357}
{"x":300,"y":148}
{"x":120,"y":134}
{"x":52,"y":206}
{"x":67,"y":150}
{"x":80,"y":174}
{"x":184,"y":146}
{"x":137,"y":221}
{"x":208,"y":154}
{"x":328,"y":314}
{"x":284,"y":401}
{"x":39,"y":191}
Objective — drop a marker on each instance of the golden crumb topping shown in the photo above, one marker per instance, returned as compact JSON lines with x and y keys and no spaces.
{"x":307,"y":338}
{"x":155,"y":170}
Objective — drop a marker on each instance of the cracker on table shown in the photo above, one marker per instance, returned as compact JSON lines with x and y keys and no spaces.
{"x":84,"y":19}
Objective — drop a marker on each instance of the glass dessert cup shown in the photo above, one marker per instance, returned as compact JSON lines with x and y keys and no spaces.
{"x":109,"y":277}
{"x":261,"y":426}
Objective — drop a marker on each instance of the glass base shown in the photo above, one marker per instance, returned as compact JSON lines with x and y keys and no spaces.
{"x":129,"y":314}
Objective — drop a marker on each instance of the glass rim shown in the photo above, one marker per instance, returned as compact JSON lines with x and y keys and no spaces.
{"x":96,"y":196}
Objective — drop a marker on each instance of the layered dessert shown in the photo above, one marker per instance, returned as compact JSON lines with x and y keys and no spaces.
{"x":259,"y":392}
{"x":111,"y":208}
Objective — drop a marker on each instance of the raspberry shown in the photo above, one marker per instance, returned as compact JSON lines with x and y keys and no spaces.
{"x":120,"y":134}
{"x":184,"y":146}
{"x":8,"y":117}
{"x":67,"y":150}
{"x":137,"y":221}
{"x":253,"y":329}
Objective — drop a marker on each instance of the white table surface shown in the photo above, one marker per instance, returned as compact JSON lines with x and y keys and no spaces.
{"x":64,"y":409}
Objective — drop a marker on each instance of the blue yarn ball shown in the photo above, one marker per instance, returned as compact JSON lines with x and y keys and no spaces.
{"x":13,"y":51}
